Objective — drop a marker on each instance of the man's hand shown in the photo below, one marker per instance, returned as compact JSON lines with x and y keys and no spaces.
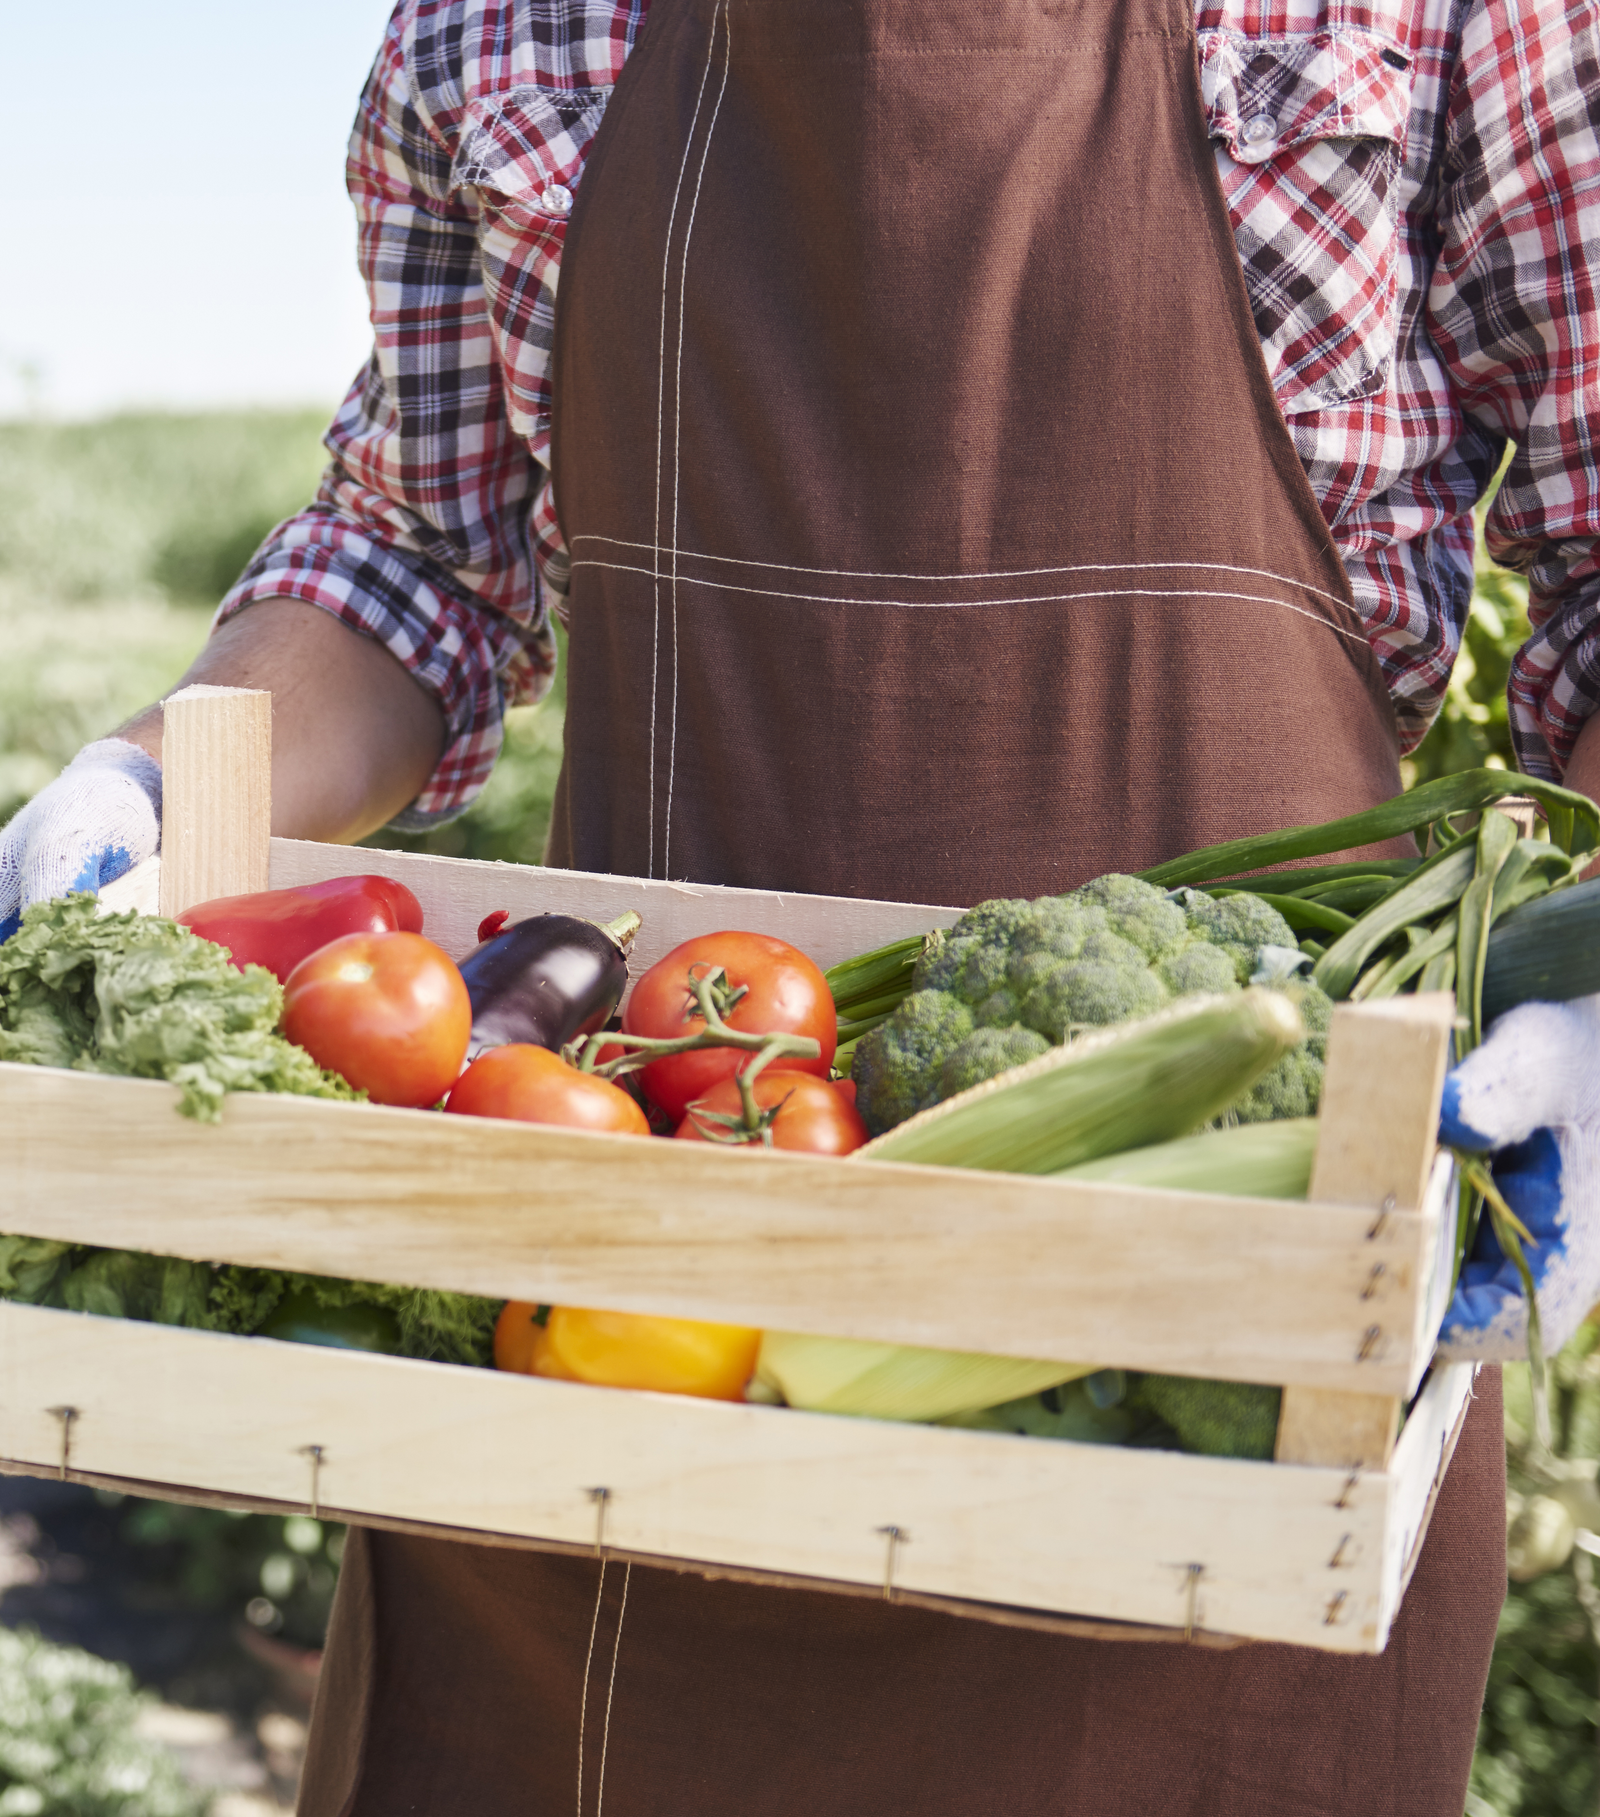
{"x":1531,"y":1096}
{"x":99,"y":818}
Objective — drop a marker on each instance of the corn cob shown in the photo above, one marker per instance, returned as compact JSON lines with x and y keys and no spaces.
{"x":894,"y":1381}
{"x":1250,"y":1161}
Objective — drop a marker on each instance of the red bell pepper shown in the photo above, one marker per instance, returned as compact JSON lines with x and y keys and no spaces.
{"x":279,"y":928}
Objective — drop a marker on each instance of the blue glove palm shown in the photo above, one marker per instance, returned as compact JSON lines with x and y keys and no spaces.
{"x":99,"y":818}
{"x":1531,"y":1096}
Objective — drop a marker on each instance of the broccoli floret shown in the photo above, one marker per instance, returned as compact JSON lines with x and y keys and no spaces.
{"x":1139,"y":912}
{"x":1197,"y":967}
{"x":988,"y":928}
{"x":896,"y":1065}
{"x":1217,"y":1419}
{"x":1097,"y":992}
{"x":1293,"y":1088}
{"x":1241,"y":925}
{"x":985,"y":1052}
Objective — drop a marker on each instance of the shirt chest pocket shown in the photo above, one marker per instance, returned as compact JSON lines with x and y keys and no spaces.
{"x":523,"y":152}
{"x":1310,"y":138}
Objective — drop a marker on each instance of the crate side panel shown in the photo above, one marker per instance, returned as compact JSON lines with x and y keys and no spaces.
{"x":1418,"y":1468}
{"x":1013,"y":1521}
{"x":1245,"y":1289}
{"x":456,"y":893}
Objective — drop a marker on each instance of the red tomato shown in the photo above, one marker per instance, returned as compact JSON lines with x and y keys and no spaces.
{"x":786,"y":995}
{"x":813,"y":1115}
{"x":532,"y":1085}
{"x":846,"y":1088}
{"x":389,"y":1012}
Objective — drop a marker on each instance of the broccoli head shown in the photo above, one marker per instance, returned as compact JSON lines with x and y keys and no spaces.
{"x":1217,"y":1419}
{"x":1022,"y":975}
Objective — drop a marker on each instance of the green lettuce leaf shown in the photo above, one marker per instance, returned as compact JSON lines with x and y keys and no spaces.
{"x":142,"y":997}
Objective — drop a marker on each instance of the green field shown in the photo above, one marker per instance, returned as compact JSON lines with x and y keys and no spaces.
{"x":118,"y":537}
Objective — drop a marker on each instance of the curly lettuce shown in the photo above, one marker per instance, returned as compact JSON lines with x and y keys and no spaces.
{"x":142,"y":997}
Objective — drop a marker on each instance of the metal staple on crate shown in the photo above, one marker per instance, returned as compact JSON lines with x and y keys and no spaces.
{"x":600,"y":1496}
{"x":66,"y":1415}
{"x":1336,"y":1602}
{"x":894,"y":1536}
{"x":1338,"y":1552}
{"x":1383,"y":1218}
{"x":314,"y":1452}
{"x":1191,"y":1591}
{"x":1349,"y":1484}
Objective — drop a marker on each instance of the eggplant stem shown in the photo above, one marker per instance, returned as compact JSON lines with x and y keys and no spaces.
{"x":623,"y":929}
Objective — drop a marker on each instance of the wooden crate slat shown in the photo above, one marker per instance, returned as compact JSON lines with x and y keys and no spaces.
{"x":1375,"y":1146}
{"x":1082,"y":1529}
{"x":1420,"y":1460}
{"x":216,"y":794}
{"x":456,"y":893}
{"x":1243,"y":1289}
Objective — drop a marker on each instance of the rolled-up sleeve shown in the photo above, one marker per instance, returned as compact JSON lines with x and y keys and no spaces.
{"x":421,"y":533}
{"x":1513,"y":311}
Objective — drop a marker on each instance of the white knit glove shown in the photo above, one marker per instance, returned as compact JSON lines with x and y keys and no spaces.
{"x":1531,"y":1095}
{"x":99,"y":818}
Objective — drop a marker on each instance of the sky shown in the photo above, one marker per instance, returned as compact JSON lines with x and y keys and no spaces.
{"x":174,"y":230}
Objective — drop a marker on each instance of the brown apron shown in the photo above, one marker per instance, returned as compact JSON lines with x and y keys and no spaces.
{"x":935,"y":535}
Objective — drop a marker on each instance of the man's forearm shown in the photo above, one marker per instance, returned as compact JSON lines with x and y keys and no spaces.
{"x":1583,"y":771}
{"x":354,"y":737}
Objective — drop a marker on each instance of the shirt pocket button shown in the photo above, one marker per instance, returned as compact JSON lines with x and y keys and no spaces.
{"x":555,"y":199}
{"x":1258,"y":139}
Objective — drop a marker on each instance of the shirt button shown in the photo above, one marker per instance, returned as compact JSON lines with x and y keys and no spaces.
{"x":1258,"y":139}
{"x":556,"y":199}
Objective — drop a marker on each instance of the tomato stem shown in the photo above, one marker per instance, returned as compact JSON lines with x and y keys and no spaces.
{"x":713,"y":1000}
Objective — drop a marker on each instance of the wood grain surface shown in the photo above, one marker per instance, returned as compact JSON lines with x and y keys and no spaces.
{"x":1243,"y":1289}
{"x":1089,"y":1530}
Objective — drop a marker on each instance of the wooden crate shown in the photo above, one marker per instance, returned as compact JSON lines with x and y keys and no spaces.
{"x":1338,"y":1299}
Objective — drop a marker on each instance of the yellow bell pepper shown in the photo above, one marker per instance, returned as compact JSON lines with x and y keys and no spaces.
{"x":641,"y":1350}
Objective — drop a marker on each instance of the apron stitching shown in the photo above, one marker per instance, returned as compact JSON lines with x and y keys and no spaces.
{"x":611,"y":1687}
{"x":677,"y":420}
{"x":661,"y":436}
{"x":1031,"y":599}
{"x":740,"y":561}
{"x":583,"y":1704}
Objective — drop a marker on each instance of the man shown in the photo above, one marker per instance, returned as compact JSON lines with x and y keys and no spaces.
{"x":990,"y":447}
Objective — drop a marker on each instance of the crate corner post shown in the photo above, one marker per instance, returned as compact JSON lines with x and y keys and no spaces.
{"x":1380,"y":1108}
{"x":216,"y":763}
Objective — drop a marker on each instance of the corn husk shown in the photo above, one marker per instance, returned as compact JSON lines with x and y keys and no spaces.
{"x":1124,"y":1087}
{"x":1251,"y":1161}
{"x":894,"y":1381}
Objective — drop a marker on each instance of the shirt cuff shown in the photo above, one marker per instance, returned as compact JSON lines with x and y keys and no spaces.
{"x":1554,"y":687}
{"x":472,"y":659}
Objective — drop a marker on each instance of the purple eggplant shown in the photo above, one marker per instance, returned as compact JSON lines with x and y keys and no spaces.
{"x":547,"y":980}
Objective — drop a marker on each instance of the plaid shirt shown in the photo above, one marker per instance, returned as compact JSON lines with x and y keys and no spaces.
{"x":1411,"y":185}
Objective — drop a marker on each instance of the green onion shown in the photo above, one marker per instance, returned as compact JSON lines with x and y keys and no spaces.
{"x":1574,"y":825}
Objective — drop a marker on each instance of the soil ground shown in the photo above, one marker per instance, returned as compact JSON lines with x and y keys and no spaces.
{"x":233,"y":1705}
